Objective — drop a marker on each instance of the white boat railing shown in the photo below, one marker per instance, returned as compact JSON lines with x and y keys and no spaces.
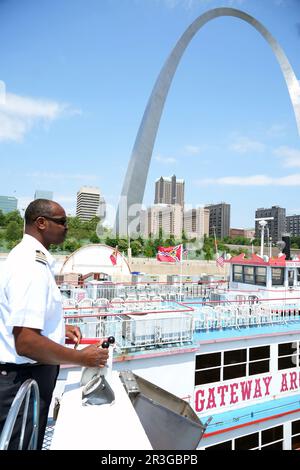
{"x":136,"y":324}
{"x":131,"y":331}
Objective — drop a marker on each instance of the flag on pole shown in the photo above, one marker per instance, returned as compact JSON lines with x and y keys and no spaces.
{"x":113,"y":256}
{"x":220,"y":260}
{"x":169,"y":254}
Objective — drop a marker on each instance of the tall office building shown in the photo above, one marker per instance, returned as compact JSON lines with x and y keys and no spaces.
{"x":276,"y":226}
{"x":43,"y":194}
{"x":165,"y":217}
{"x":196,"y":222}
{"x":88,"y":201}
{"x":169,"y":190}
{"x":8,"y":204}
{"x":293,"y":225}
{"x":219,"y":219}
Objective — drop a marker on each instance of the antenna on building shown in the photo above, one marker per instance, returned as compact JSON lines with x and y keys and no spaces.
{"x":263,"y":223}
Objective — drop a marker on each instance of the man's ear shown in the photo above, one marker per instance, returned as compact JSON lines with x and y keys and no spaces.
{"x":41,"y":223}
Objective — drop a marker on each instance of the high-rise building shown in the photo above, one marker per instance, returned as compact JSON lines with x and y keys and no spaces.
{"x":43,"y":194}
{"x":88,"y":200}
{"x":169,"y":190}
{"x":219,"y":219}
{"x":293,"y":225}
{"x":8,"y":204}
{"x":276,"y":226}
{"x":165,"y":217}
{"x":196,"y":222}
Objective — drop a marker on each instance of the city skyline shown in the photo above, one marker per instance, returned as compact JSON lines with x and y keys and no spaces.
{"x":70,"y":117}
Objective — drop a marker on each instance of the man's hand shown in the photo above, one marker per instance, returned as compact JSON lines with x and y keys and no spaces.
{"x":74,"y":334}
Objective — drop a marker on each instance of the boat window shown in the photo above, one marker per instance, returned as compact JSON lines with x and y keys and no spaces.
{"x":271,"y":435}
{"x":207,"y":376}
{"x":235,"y":356}
{"x":291,"y":278}
{"x":261,"y":352}
{"x":247,"y":442}
{"x":260,"y":275}
{"x":296,"y":427}
{"x":298,"y":274}
{"x":285,"y":349}
{"x":277,"y":276}
{"x":237,"y":273}
{"x":249,"y":275}
{"x":287,"y":355}
{"x":259,"y":367}
{"x":232,"y":372}
{"x":296,"y":434}
{"x":275,"y":446}
{"x":287,"y":362}
{"x":205,"y":361}
{"x":227,"y":445}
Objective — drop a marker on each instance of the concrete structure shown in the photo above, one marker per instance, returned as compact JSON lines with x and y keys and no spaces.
{"x":275,"y":227}
{"x":137,"y":171}
{"x":219,"y":220}
{"x":165,"y":217}
{"x":293,"y":225}
{"x":88,"y":200}
{"x":8,"y":204}
{"x":169,"y":190}
{"x":242,"y":232}
{"x":196,"y":222}
{"x":43,"y":194}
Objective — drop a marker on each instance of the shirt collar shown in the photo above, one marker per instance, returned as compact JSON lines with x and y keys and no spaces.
{"x":30,"y":240}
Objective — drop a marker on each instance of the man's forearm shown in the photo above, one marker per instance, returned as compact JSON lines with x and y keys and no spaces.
{"x":30,"y":343}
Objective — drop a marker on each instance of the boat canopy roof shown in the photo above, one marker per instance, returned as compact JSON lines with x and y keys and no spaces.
{"x":265,"y":261}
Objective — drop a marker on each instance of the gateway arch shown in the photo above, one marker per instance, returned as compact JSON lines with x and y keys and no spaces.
{"x":136,"y":176}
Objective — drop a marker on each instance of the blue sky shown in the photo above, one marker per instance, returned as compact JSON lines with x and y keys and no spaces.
{"x":78,"y":74}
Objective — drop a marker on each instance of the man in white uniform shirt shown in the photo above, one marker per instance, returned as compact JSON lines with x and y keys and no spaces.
{"x":32,"y":330}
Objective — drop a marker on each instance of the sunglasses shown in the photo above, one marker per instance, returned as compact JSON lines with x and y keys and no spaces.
{"x":59,"y":220}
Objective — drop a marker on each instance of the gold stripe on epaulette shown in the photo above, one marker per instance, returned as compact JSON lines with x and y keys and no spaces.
{"x":40,"y":257}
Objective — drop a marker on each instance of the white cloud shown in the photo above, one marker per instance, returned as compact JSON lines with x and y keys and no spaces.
{"x":255,"y":180}
{"x":19,"y":114}
{"x":243,"y":144}
{"x":61,"y":176}
{"x":276,"y":130}
{"x":290,"y":155}
{"x":165,"y":160}
{"x":192,"y":149}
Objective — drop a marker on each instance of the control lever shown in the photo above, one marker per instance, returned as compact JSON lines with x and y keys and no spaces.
{"x":96,"y":390}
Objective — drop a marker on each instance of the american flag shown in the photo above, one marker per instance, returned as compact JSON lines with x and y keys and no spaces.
{"x":220,"y":260}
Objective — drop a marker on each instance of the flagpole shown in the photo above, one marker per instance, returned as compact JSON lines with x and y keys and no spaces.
{"x":181,"y":265}
{"x":215,"y":238}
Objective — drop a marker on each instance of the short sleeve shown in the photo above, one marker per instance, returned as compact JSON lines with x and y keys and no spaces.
{"x":27,"y":293}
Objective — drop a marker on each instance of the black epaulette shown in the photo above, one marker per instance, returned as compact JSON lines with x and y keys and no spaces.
{"x":40,"y":257}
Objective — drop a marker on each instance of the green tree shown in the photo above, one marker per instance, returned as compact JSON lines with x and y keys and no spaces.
{"x":208,"y":253}
{"x":2,"y":219}
{"x":94,"y":238}
{"x":13,"y":216}
{"x":13,"y":231}
{"x":136,"y":248}
{"x":70,"y":244}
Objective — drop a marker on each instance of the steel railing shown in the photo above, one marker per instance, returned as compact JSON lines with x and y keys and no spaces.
{"x":28,"y":388}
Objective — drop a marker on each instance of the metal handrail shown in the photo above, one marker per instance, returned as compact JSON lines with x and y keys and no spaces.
{"x":24,"y":393}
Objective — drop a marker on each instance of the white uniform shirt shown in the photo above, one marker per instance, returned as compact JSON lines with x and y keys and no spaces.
{"x":29,"y":297}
